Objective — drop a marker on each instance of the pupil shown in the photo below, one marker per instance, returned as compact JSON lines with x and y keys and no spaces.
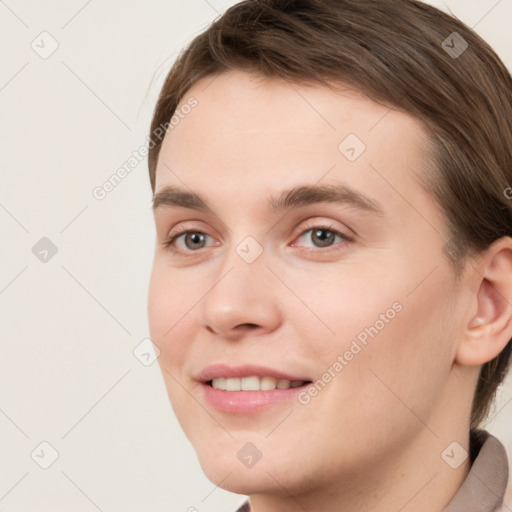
{"x":195,"y":238}
{"x":324,"y":241}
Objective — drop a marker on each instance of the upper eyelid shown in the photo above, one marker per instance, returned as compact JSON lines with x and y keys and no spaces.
{"x":309,"y":224}
{"x":184,"y":227}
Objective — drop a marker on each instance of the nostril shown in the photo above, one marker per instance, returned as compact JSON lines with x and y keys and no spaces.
{"x":246,"y":327}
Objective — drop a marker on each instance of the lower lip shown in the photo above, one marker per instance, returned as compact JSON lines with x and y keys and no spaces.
{"x":244,"y":402}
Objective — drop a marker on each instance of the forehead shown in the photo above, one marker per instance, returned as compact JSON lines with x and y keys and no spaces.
{"x":270,"y":135}
{"x":236,"y":106}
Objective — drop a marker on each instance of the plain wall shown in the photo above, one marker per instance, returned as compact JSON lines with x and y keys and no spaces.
{"x":69,"y":325}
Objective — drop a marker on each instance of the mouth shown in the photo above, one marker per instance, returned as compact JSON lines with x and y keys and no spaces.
{"x":254,"y":383}
{"x":248,"y":389}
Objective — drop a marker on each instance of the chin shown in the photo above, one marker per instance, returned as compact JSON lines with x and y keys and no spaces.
{"x":242,"y":480}
{"x":267,"y":475}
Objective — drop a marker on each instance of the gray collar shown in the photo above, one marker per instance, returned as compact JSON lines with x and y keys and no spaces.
{"x":486,"y":483}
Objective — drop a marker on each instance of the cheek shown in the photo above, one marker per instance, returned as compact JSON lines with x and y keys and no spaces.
{"x":389,"y":385}
{"x":401,"y":372}
{"x":338,"y":306}
{"x":161,"y":306}
{"x":380,"y":327}
{"x":170,"y":311}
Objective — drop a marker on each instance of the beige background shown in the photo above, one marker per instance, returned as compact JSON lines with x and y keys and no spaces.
{"x":70,"y":325}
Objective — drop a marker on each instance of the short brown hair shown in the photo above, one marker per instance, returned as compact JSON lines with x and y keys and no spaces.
{"x":402,"y":53}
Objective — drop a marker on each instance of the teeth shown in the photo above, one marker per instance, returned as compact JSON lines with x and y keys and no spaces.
{"x":254,"y":383}
{"x":268,"y":383}
{"x":250,"y":383}
{"x":233,"y":385}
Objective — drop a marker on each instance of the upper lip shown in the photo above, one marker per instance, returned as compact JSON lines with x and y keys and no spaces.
{"x":246,"y":370}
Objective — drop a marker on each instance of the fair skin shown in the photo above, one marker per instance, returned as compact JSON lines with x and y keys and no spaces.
{"x":372,"y":438}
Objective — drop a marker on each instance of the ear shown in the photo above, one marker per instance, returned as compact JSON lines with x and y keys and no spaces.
{"x":489,"y":329}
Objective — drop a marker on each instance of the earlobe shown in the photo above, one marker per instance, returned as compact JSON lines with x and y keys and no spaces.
{"x":490,"y":328}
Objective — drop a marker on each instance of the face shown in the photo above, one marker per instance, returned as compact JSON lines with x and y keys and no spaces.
{"x":314,"y":263}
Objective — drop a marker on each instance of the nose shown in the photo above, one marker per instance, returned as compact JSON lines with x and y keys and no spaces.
{"x":242,"y":300}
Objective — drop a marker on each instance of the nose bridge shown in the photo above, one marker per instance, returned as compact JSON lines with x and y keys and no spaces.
{"x":247,"y":258}
{"x":243,"y":275}
{"x":242,"y":291}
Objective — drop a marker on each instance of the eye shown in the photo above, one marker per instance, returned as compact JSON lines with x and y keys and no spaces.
{"x":323,"y":236}
{"x":189,"y":241}
{"x":192,"y":241}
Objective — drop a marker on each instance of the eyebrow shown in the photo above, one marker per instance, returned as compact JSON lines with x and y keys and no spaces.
{"x":294,"y":198}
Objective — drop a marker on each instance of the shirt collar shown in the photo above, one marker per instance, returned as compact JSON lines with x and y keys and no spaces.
{"x":484,"y":487}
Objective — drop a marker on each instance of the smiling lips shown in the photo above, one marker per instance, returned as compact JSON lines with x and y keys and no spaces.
{"x":248,"y":378}
{"x":248,"y":388}
{"x":254,"y":383}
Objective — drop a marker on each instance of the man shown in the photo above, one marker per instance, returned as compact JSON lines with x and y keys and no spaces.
{"x":332,"y":283}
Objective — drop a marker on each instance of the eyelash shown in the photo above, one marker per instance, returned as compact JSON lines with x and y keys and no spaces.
{"x":169,"y":244}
